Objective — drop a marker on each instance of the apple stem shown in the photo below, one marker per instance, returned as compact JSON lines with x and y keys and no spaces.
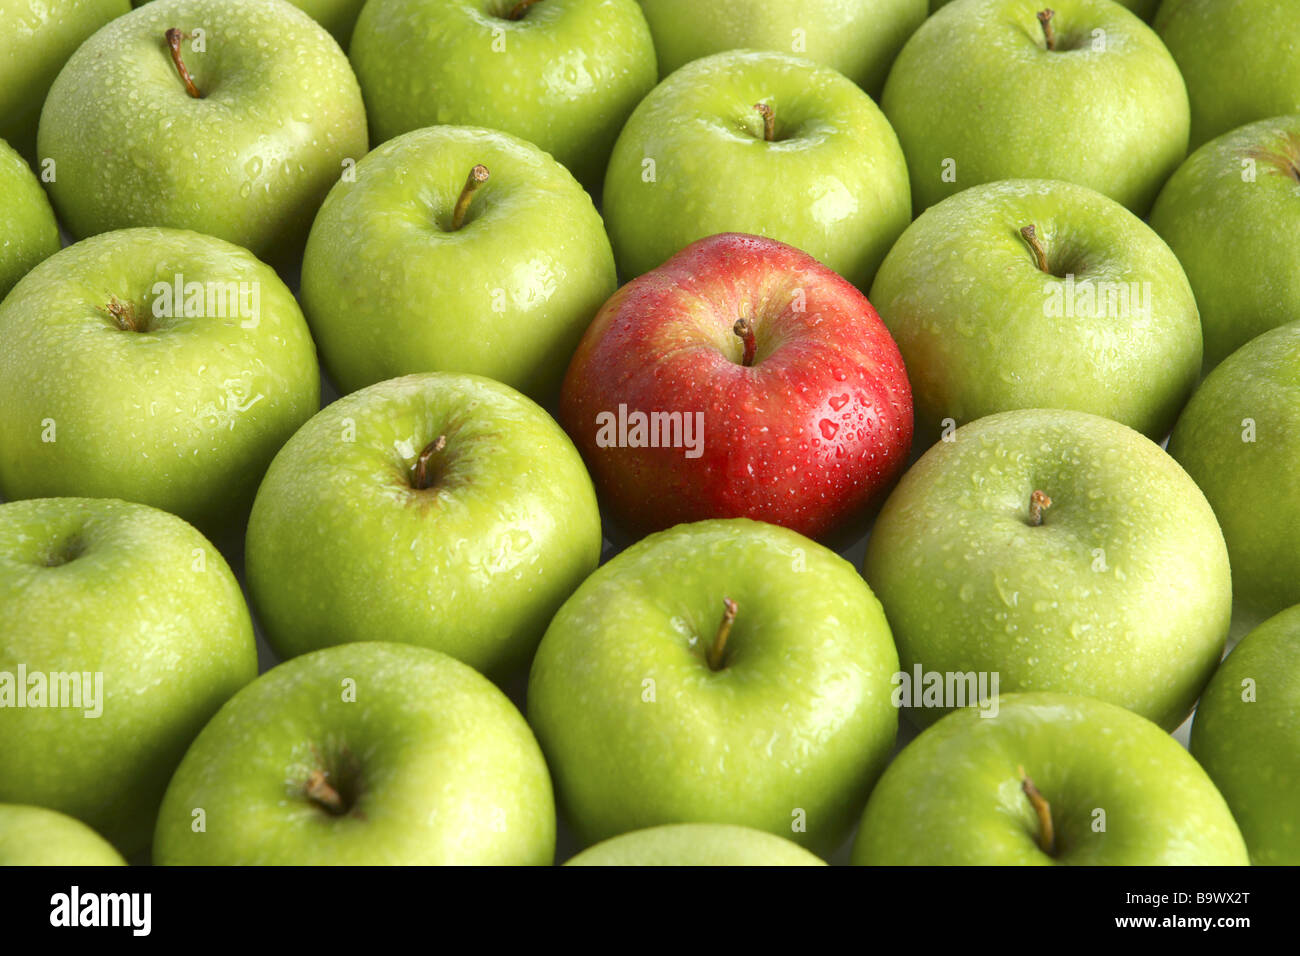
{"x":716,"y":652}
{"x":477,"y":177}
{"x":743,"y":329}
{"x":320,"y":792}
{"x":1030,"y":234}
{"x":123,"y":315}
{"x":1046,"y":829}
{"x":1038,"y":503}
{"x":769,"y":121}
{"x":519,"y":9}
{"x":1049,"y":34}
{"x":421,"y":474}
{"x":174,"y":38}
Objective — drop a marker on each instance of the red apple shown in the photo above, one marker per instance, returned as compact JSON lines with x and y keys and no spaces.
{"x":742,"y":378}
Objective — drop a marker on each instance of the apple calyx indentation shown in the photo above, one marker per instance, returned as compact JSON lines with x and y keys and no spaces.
{"x":769,"y":121}
{"x":477,"y":177}
{"x":716,"y":654}
{"x":422,"y":473}
{"x":1038,"y":503}
{"x":124,"y":316}
{"x":1046,"y":829}
{"x":1030,"y":235}
{"x":1049,"y":32}
{"x":318,"y":791}
{"x":519,"y":9}
{"x":744,"y":329}
{"x":64,"y":553}
{"x":174,"y":38}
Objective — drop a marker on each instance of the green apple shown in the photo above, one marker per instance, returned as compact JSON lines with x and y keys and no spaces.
{"x":122,"y":630}
{"x":858,"y":38}
{"x":238,"y":131}
{"x":723,"y":671}
{"x":1052,"y":779}
{"x":1238,"y":58}
{"x":1059,"y":551}
{"x":1239,"y":438}
{"x":761,"y":143}
{"x":28,"y":231}
{"x":696,"y":844}
{"x":34,"y":836}
{"x":367,"y":754}
{"x":457,"y":250}
{"x":1247,"y":737}
{"x":1038,"y":294}
{"x":113,"y":384}
{"x":36,"y":39}
{"x":437,"y":509}
{"x":1227,"y":213}
{"x":1086,"y":92}
{"x":562,"y":74}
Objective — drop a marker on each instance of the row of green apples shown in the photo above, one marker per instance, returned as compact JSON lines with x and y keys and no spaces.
{"x":565,"y":74}
{"x":242,"y":137}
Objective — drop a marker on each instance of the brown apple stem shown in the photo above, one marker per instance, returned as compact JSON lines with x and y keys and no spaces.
{"x":519,"y":9}
{"x":174,"y":38}
{"x":1049,"y":34}
{"x":1030,"y":234}
{"x":743,"y":329}
{"x":477,"y":177}
{"x":319,"y":791}
{"x":422,"y":473}
{"x":1046,"y":830}
{"x":769,"y":121}
{"x":123,"y":315}
{"x":1038,"y":503}
{"x":719,"y":648}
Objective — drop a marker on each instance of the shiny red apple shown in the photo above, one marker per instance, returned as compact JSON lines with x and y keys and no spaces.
{"x":742,"y":378}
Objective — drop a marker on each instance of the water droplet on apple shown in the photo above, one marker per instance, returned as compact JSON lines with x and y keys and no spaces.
{"x":828,"y":428}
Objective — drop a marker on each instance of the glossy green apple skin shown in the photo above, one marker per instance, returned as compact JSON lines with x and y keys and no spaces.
{"x":696,"y":844}
{"x":1114,"y":119}
{"x":249,"y":162}
{"x":390,"y":289}
{"x":1224,"y":213}
{"x":964,"y":298}
{"x":1251,"y":747}
{"x":798,"y":718}
{"x":1253,"y":486}
{"x":337,"y":16}
{"x":1123,"y":593}
{"x":1145,"y":9}
{"x":435,"y":766}
{"x":185,"y":416}
{"x":954,"y":796}
{"x":856,"y":38}
{"x":1237,"y":70}
{"x":342,"y":548}
{"x":842,"y":196}
{"x":36,"y":38}
{"x":564,"y":76}
{"x":28,"y":231}
{"x":34,"y":836}
{"x":97,"y":585}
